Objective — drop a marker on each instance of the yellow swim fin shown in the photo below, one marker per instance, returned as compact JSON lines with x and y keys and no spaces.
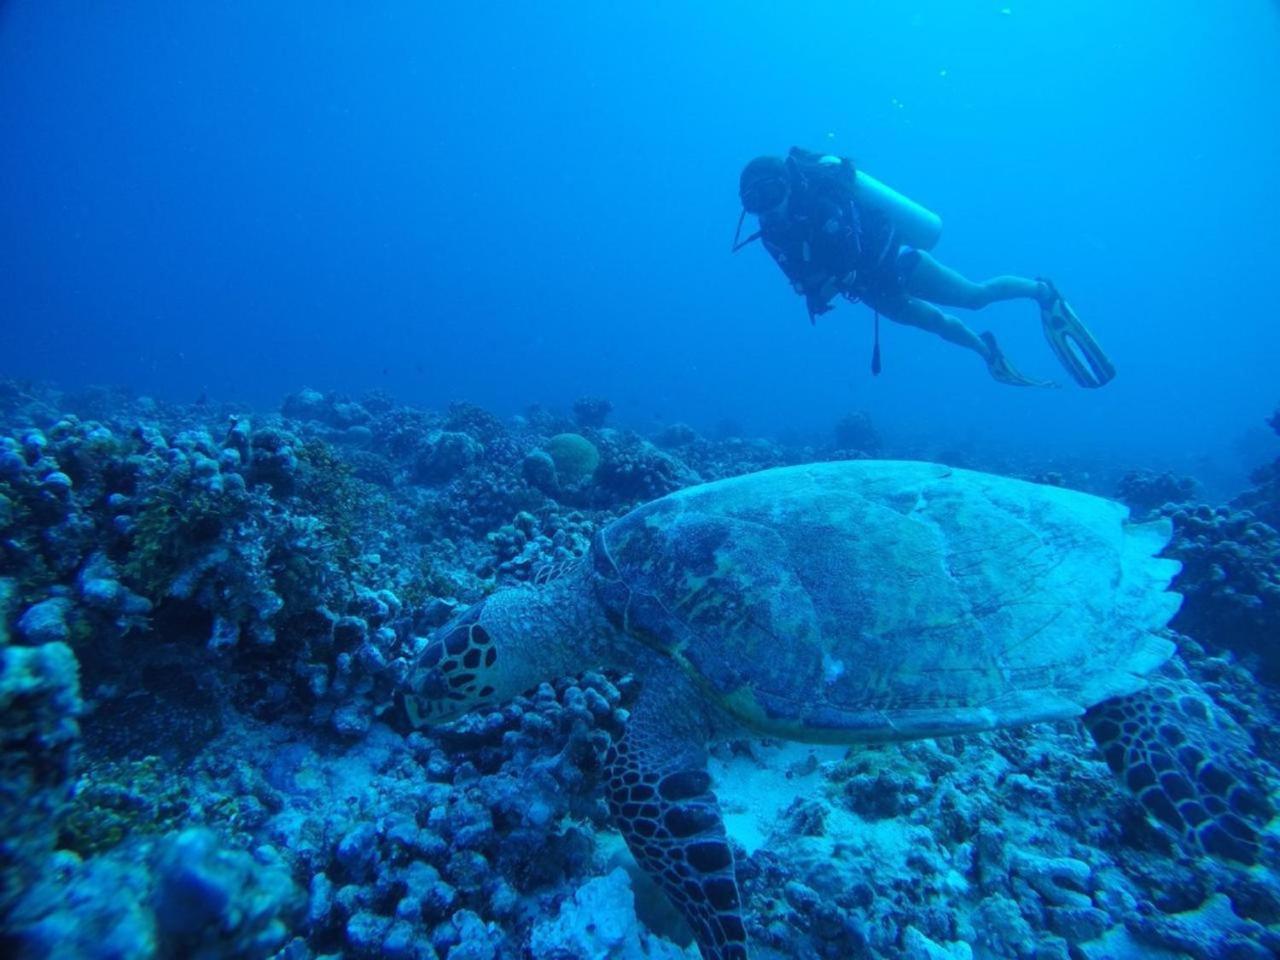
{"x":1073,"y":344}
{"x":1004,"y":371}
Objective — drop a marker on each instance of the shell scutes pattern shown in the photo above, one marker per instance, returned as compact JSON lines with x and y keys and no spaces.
{"x":883,"y":600}
{"x":713,"y":592}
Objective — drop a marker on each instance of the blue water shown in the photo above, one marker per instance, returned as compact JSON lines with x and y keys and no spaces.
{"x":526,"y":203}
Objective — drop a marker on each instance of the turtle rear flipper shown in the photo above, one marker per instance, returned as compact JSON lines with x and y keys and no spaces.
{"x":1186,"y":763}
{"x":660,"y":797}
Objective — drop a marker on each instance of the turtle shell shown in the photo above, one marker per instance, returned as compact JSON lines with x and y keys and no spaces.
{"x":882,"y":600}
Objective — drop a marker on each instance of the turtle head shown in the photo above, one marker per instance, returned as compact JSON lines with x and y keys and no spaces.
{"x":459,"y":669}
{"x":505,"y":645}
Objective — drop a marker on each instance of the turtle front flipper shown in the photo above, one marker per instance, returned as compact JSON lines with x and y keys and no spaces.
{"x":1187,"y":763}
{"x":660,"y":797}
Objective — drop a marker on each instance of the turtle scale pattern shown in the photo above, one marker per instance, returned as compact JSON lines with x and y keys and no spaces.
{"x":851,"y":602}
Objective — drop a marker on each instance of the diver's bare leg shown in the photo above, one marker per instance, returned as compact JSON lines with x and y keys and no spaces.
{"x":918,"y":313}
{"x":927,"y":278}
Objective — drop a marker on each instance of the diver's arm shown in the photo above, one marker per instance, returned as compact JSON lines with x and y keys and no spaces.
{"x":793,"y":260}
{"x":817,"y":287}
{"x":804,"y":261}
{"x":834,"y":241}
{"x":822,"y":262}
{"x":818,"y":297}
{"x":832,"y":261}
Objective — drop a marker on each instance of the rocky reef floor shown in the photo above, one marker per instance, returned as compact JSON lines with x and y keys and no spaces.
{"x":205,"y":611}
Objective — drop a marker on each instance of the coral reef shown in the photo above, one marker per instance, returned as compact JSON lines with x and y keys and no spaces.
{"x":207,"y":612}
{"x":183,"y":895}
{"x":1264,"y":498}
{"x":856,"y":433}
{"x":591,"y":412}
{"x":39,"y":736}
{"x":445,"y":455}
{"x":1146,"y":491}
{"x":1231,"y":580}
{"x":633,"y":470}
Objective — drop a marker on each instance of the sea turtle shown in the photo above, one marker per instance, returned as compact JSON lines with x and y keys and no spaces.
{"x":846,"y":602}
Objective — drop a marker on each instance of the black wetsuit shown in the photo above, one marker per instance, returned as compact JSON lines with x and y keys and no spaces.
{"x":826,"y":236}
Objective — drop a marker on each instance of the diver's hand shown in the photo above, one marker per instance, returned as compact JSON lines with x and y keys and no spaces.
{"x":816,"y":308}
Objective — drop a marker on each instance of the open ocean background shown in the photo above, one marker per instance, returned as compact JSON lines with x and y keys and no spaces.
{"x":518,"y":203}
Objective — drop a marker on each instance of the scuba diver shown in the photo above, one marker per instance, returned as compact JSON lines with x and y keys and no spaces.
{"x":834,"y":229}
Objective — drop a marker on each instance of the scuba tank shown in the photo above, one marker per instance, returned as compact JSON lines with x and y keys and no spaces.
{"x":915,"y":225}
{"x":912,"y":224}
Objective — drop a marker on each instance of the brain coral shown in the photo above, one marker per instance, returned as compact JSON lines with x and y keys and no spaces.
{"x":575,"y":457}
